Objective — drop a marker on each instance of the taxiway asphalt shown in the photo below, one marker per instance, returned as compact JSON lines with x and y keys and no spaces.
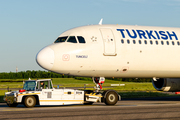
{"x":131,"y":109}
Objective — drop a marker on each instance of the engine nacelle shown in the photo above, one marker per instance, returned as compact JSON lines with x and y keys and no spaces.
{"x":167,"y":84}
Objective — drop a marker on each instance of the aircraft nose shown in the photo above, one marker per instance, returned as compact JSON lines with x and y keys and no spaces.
{"x":45,"y":58}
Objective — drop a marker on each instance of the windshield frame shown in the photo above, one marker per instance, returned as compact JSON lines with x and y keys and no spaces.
{"x":77,"y":39}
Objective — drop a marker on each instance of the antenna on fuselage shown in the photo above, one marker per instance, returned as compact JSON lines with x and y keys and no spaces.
{"x":100,"y":22}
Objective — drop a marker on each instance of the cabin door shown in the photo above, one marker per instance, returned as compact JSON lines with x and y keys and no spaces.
{"x":109,"y":42}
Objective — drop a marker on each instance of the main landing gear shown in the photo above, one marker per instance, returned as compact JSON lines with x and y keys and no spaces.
{"x":109,"y":97}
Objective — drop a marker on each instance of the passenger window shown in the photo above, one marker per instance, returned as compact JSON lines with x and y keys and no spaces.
{"x":128,"y":41}
{"x":151,"y":42}
{"x":156,"y":42}
{"x":167,"y":42}
{"x":145,"y":42}
{"x":61,"y":39}
{"x":162,"y":42}
{"x":134,"y":41}
{"x":72,"y":39}
{"x":81,"y":39}
{"x":122,"y":41}
{"x":139,"y":41}
{"x":172,"y":42}
{"x":178,"y":43}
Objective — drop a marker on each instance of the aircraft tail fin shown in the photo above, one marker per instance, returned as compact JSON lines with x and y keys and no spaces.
{"x":100,"y":22}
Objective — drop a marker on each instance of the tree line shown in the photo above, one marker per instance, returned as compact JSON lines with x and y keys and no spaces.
{"x":31,"y":74}
{"x":47,"y":74}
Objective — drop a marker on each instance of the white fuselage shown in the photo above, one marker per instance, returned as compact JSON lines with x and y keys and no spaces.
{"x":115,"y":51}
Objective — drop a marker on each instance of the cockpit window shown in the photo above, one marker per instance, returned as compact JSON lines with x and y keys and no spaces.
{"x":72,"y":39}
{"x":81,"y":39}
{"x":61,"y":39}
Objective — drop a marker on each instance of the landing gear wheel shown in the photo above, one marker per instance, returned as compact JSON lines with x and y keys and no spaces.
{"x":111,"y":98}
{"x":30,"y":101}
{"x":12,"y":105}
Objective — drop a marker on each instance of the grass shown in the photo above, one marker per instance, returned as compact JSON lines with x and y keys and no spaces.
{"x":2,"y":95}
{"x":142,"y":94}
{"x":130,"y":90}
{"x":129,"y":86}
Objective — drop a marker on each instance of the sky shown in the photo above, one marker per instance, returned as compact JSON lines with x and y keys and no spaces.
{"x":27,"y":26}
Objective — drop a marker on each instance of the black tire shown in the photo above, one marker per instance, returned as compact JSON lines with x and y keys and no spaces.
{"x":111,"y":98}
{"x":89,"y":103}
{"x":29,"y":101}
{"x":12,"y":105}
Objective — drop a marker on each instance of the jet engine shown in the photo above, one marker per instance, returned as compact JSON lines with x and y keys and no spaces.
{"x":167,"y":84}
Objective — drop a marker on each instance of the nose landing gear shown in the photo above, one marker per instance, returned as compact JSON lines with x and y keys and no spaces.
{"x":109,"y":97}
{"x":98,"y":81}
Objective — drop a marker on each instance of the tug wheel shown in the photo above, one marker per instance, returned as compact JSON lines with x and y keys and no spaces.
{"x":30,"y":101}
{"x":111,"y":98}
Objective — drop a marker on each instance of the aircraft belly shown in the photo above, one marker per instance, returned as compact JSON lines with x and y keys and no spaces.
{"x":121,"y":74}
{"x":119,"y":66}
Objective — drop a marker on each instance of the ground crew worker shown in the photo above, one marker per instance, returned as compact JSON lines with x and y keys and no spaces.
{"x":42,"y":85}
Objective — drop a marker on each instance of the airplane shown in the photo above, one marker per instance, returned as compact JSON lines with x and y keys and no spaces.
{"x":120,"y":51}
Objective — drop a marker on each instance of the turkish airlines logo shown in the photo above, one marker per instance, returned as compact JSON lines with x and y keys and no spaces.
{"x":66,"y":57}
